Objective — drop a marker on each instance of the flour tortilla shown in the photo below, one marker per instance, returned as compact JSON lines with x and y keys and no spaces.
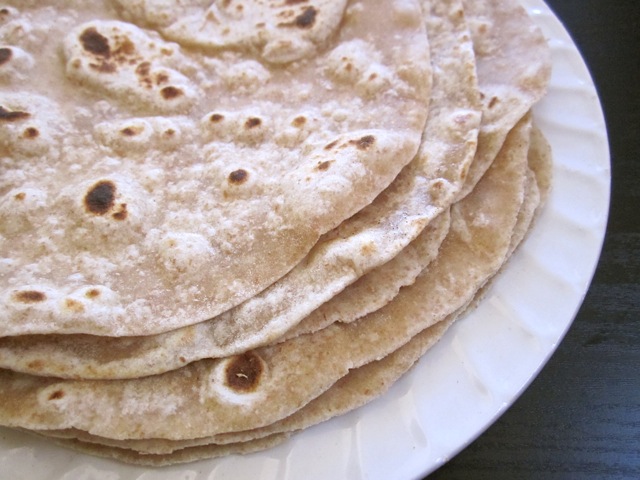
{"x":514,"y":66}
{"x":210,"y":397}
{"x":422,"y":191}
{"x":145,"y":186}
{"x":83,"y":356}
{"x":190,"y":454}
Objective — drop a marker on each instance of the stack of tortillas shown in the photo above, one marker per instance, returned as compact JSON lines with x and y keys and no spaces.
{"x":222,"y":222}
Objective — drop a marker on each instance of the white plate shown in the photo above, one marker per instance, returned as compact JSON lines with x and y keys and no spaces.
{"x":481,"y":365}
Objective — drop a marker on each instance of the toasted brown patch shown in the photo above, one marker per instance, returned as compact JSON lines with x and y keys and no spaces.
{"x":93,"y":293}
{"x":324,"y":166}
{"x":252,"y":122}
{"x":122,"y":213}
{"x":238,"y":177}
{"x":57,"y":395}
{"x":73,"y":305}
{"x":100,"y":198}
{"x":307,"y":18}
{"x":31,"y":133}
{"x":162,"y":78}
{"x":143,"y":69}
{"x":30,"y":296}
{"x":5,"y":55}
{"x":216,"y":118}
{"x":299,"y":122}
{"x":243,"y":373}
{"x":131,"y":131}
{"x":330,"y":146}
{"x":364,"y":143}
{"x":20,"y":196}
{"x":92,"y":41}
{"x":36,"y":365}
{"x":12,"y":115}
{"x":169,"y":93}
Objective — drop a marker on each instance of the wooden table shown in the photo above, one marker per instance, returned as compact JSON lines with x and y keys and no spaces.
{"x":580,"y":419}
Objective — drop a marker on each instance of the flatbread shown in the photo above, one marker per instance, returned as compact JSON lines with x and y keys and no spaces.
{"x":373,"y":237}
{"x":146,"y":185}
{"x":244,"y":392}
{"x":513,"y":64}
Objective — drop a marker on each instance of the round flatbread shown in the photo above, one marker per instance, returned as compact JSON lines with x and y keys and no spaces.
{"x":146,"y":185}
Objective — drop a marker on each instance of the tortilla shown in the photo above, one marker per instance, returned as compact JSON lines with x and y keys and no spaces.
{"x":147,"y":185}
{"x":514,"y":66}
{"x":373,"y":237}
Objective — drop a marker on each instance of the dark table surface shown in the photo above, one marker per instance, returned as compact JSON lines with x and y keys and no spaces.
{"x":580,"y":419}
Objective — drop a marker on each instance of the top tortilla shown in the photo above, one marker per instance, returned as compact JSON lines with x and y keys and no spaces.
{"x":147,"y":185}
{"x":372,"y":237}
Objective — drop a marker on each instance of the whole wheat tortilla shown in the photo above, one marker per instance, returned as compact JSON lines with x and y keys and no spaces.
{"x":90,"y":357}
{"x":360,"y":385}
{"x":244,"y":392}
{"x":145,"y":185}
{"x":188,"y":454}
{"x":514,"y":66}
{"x":422,"y":191}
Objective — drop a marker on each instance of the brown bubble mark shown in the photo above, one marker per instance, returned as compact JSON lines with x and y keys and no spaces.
{"x":93,"y":293}
{"x":5,"y":55}
{"x":238,"y":177}
{"x":364,"y":143}
{"x":307,"y":18}
{"x":299,"y":122}
{"x":252,"y":122}
{"x":29,"y":296}
{"x":57,"y":395}
{"x":96,"y":43}
{"x":31,"y":133}
{"x":169,"y":93}
{"x":100,"y":198}
{"x":243,"y":373}
{"x":324,"y":166}
{"x":216,"y":118}
{"x":12,"y":115}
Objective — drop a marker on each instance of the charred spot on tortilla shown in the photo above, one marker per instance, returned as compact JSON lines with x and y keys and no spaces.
{"x":36,"y":365}
{"x":307,"y":18}
{"x":73,"y":305}
{"x":324,"y":166}
{"x":243,"y":372}
{"x":122,"y":213}
{"x":31,"y":133}
{"x":253,"y":122}
{"x":364,"y":143}
{"x":5,"y":55}
{"x":216,"y":118}
{"x":30,"y":296}
{"x":100,"y":199}
{"x":93,"y":293}
{"x":329,"y":146}
{"x":238,"y":177}
{"x":92,"y":41}
{"x":299,"y":122}
{"x":57,"y":395}
{"x":12,"y":115}
{"x":169,"y":93}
